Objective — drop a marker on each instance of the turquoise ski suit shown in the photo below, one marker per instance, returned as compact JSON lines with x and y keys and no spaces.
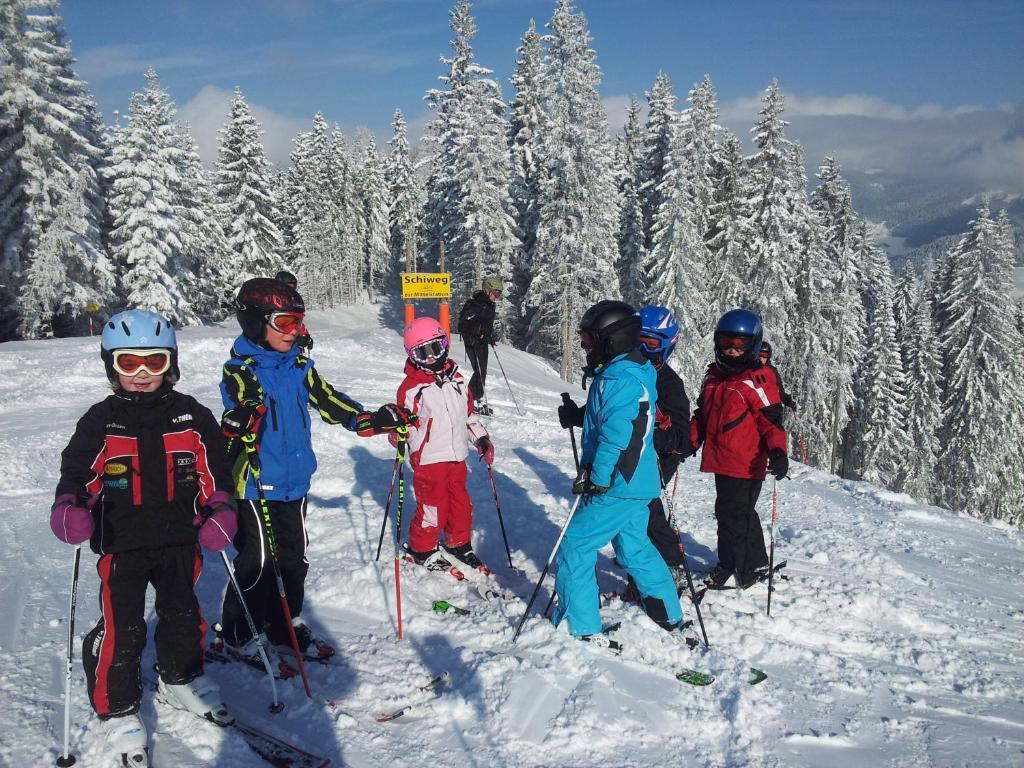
{"x":618,"y":447}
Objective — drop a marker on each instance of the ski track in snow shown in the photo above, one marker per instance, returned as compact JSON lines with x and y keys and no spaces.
{"x":895,"y":641}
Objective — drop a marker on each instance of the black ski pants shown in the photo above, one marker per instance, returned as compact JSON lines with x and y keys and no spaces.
{"x":662,"y":536}
{"x":477,"y":354}
{"x":740,"y":537}
{"x":112,"y":651}
{"x":254,"y":570}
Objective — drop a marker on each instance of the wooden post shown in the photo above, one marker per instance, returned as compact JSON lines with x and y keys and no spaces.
{"x":443,"y":307}
{"x":410,"y":309}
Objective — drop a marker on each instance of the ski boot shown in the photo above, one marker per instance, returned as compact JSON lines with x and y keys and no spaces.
{"x":126,"y":736}
{"x":482,"y":409}
{"x":433,"y":561}
{"x":720,"y":578}
{"x":200,"y":696}
{"x":465,"y":556}
{"x":311,"y":646}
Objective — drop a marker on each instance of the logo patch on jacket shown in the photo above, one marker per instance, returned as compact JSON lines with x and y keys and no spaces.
{"x":181,"y":418}
{"x":114,"y":468}
{"x":116,"y":483}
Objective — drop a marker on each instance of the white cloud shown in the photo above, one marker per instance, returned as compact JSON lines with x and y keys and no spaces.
{"x":207,"y":112}
{"x":617,"y":108}
{"x":106,"y":61}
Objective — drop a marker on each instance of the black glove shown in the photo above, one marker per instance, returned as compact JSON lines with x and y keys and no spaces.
{"x":778,"y":463}
{"x":789,"y":402}
{"x":305,"y":342}
{"x":569,"y":414}
{"x":387,"y":418}
{"x":582,"y":486}
{"x":242,"y":420}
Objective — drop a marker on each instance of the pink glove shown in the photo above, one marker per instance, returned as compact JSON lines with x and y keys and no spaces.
{"x":485,"y":448}
{"x":70,"y":522}
{"x":218,"y":529}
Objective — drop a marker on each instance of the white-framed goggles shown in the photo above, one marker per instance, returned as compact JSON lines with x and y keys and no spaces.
{"x":429,"y":351}
{"x":128,"y":362}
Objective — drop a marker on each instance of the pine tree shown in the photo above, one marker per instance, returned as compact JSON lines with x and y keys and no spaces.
{"x":922,"y":409}
{"x":527,"y":126}
{"x":977,"y":343}
{"x":407,"y":197}
{"x":631,"y":218}
{"x":468,"y":203}
{"x":700,"y":140}
{"x":145,"y":240}
{"x":728,"y":216}
{"x":376,"y":204}
{"x":659,"y":132}
{"x":578,"y":220}
{"x":50,"y":147}
{"x":247,"y":209}
{"x":677,"y":267}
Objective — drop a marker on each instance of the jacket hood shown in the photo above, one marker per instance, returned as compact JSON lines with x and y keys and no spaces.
{"x":263,"y":357}
{"x":424,"y":376}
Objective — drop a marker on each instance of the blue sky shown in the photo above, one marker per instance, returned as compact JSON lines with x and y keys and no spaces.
{"x":904,"y":62}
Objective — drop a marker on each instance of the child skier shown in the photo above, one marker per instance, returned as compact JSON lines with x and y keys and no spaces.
{"x":618,"y":477}
{"x":437,"y":393}
{"x":145,"y":477}
{"x":268,"y":388}
{"x":738,"y":421}
{"x":766,"y":360}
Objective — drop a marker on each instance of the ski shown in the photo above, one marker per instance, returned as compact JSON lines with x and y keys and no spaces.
{"x":698,"y":678}
{"x":443,"y":606}
{"x":219,"y":653}
{"x":274,"y":751}
{"x":429,"y":691}
{"x":761,"y":579}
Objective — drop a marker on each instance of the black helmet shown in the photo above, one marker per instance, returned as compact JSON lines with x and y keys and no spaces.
{"x":259,"y":298}
{"x":738,"y":323}
{"x":286,"y":277}
{"x":613,"y":328}
{"x":766,"y":350}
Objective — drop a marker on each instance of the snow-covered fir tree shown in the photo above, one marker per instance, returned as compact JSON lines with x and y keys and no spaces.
{"x":771,"y":232}
{"x":728,"y":216}
{"x":376,"y":205}
{"x":659,"y":131}
{"x":978,"y":341}
{"x":677,"y":265}
{"x":580,"y":210}
{"x":50,"y":147}
{"x":631,"y":216}
{"x":904,"y":298}
{"x":246,"y":206}
{"x":407,"y":196}
{"x":700,"y":131}
{"x":145,"y":241}
{"x":922,"y":406}
{"x":527,"y":125}
{"x":468,"y":203}
{"x":349,"y":224}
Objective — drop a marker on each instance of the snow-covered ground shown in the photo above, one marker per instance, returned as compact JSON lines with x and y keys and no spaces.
{"x":898,"y":639}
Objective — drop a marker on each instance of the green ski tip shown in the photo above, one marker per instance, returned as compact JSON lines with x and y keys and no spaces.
{"x":756,"y":676}
{"x":693,"y":677}
{"x":443,"y":606}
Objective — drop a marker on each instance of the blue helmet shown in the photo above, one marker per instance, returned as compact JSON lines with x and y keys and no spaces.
{"x":659,"y":333}
{"x":138,"y":329}
{"x":738,"y":323}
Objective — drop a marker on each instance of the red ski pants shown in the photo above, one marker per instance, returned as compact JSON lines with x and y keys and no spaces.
{"x":442,"y":504}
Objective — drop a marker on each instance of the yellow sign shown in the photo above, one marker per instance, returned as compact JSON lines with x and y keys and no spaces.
{"x":92,"y":307}
{"x":426,"y":285}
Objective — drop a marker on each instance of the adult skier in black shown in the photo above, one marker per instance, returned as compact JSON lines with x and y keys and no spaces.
{"x":766,"y":361}
{"x":476,"y":326}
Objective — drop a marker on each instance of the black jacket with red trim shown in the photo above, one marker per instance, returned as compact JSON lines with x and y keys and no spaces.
{"x":155,"y":458}
{"x":672,"y":432}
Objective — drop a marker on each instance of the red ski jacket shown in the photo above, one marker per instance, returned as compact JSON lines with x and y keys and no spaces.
{"x":737,"y":421}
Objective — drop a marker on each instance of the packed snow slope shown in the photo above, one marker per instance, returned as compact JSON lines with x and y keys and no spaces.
{"x":898,"y":639}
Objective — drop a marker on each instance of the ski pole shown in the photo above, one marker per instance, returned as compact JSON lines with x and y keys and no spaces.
{"x":572,"y":435}
{"x":544,"y":573}
{"x":67,"y":758}
{"x":501,"y":521}
{"x":496,"y":357}
{"x":387,"y":506}
{"x":669,"y":505}
{"x":277,"y":705}
{"x":403,"y":433}
{"x":771,"y":534}
{"x":249,"y":441}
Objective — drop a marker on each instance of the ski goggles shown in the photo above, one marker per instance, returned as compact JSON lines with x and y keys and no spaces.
{"x":652,"y":343}
{"x":129,"y":362}
{"x":429,"y":351}
{"x":732,"y":342}
{"x":286,"y":322}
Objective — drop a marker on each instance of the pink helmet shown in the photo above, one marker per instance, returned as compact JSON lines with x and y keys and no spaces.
{"x":421,"y":331}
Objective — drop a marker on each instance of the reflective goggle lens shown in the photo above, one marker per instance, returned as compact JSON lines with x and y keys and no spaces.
{"x":286,"y":322}
{"x":651,"y":343}
{"x":733,"y":342}
{"x":429,"y":351}
{"x":129,"y":362}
